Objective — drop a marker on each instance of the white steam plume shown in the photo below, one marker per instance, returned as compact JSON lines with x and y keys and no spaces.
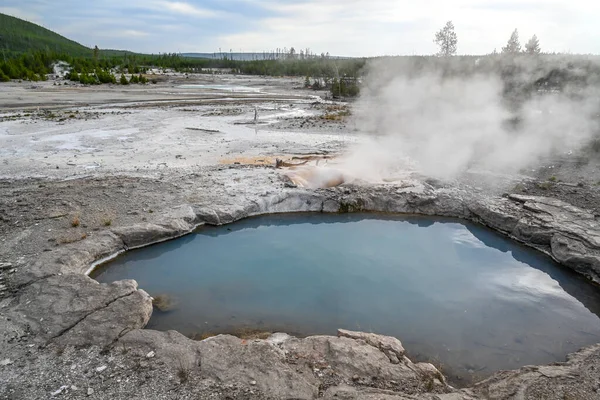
{"x":446,"y":125}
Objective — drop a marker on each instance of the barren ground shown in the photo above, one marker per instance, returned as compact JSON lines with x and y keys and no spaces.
{"x":77,"y":161}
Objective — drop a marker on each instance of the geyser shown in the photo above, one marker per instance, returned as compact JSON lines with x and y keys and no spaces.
{"x":453,"y":292}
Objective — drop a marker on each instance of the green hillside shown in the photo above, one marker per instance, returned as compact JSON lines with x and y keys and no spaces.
{"x":18,"y":36}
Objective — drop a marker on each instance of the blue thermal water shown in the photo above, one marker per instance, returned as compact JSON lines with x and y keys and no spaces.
{"x":451,"y":291}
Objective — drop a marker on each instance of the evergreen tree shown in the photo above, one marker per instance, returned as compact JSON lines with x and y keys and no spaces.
{"x":123,"y":80}
{"x":446,"y":39}
{"x":533,"y":46}
{"x":513,"y":46}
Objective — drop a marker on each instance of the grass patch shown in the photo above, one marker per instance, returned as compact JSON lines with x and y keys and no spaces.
{"x":251,"y":333}
{"x":75,"y":222}
{"x":552,"y":179}
{"x":71,"y":239}
{"x":519,"y":187}
{"x":335,"y":113}
{"x":336,"y":108}
{"x":545,"y":185}
{"x":106,"y":221}
{"x":202,"y":336}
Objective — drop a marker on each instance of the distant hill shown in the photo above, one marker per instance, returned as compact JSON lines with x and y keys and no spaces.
{"x":19,"y":36}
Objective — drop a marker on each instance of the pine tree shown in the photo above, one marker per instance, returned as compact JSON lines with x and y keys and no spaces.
{"x":513,"y":46}
{"x":533,"y":46}
{"x":123,"y":80}
{"x":446,"y":39}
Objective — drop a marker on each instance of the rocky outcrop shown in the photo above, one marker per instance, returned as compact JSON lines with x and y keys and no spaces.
{"x":286,"y":367}
{"x":54,"y":301}
{"x":575,"y":379}
{"x":74,"y":309}
{"x":390,"y":346}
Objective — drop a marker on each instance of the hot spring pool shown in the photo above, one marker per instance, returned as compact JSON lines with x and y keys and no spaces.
{"x":452,"y":292}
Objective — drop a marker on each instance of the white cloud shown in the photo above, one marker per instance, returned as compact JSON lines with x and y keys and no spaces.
{"x":133,"y":32}
{"x":341,"y":27}
{"x":180,"y":7}
{"x":20,"y":13}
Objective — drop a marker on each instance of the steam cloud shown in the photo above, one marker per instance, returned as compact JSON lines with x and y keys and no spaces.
{"x":445,"y":124}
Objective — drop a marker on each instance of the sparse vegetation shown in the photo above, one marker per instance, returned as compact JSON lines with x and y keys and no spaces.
{"x":71,"y":239}
{"x":183,"y":372}
{"x":545,"y":185}
{"x":164,"y":302}
{"x":519,"y":188}
{"x":106,"y":221}
{"x":75,"y":221}
{"x":251,"y":333}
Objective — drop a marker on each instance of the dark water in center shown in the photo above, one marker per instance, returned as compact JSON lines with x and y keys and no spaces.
{"x":454,"y":293}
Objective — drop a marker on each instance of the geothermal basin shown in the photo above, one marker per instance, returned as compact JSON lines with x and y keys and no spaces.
{"x":456,"y":294}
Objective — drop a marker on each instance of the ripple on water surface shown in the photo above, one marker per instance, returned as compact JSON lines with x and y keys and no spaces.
{"x":452,"y":292}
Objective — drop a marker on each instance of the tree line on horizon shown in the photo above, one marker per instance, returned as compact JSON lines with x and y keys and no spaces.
{"x":447,"y":41}
{"x":339,"y":75}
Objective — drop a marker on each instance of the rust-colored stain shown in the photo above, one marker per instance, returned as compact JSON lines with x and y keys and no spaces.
{"x":279,"y":161}
{"x":258,"y":160}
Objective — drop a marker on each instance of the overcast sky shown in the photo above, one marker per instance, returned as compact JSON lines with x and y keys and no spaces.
{"x":340,"y":27}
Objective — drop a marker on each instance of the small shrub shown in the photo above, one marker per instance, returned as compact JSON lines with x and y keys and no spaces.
{"x":519,"y":187}
{"x":107,"y":222}
{"x":545,"y":185}
{"x":75,"y":221}
{"x":429,"y":385}
{"x":123,"y":80}
{"x":183,"y":373}
{"x":552,"y":179}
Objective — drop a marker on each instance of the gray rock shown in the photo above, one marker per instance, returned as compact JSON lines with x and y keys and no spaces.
{"x":390,"y":346}
{"x":57,"y":304}
{"x":106,"y":325}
